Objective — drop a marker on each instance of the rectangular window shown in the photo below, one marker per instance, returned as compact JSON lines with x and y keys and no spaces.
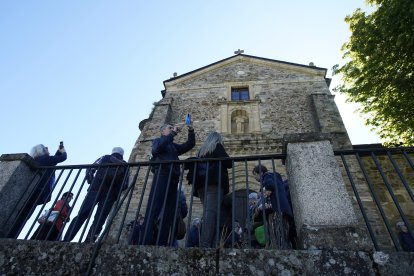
{"x":240,"y":94}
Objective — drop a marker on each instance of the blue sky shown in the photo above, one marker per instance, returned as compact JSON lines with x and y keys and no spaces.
{"x":87,"y":72}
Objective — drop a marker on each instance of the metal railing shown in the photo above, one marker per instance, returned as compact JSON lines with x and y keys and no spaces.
{"x":133,"y":201}
{"x":380,"y":181}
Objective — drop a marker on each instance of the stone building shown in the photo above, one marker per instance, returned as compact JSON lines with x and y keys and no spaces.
{"x":253,"y":102}
{"x":256,"y":104}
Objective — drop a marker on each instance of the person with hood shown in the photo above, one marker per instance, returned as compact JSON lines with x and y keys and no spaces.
{"x":106,"y":183}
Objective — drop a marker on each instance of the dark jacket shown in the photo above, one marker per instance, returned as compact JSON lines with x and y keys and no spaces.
{"x":47,"y":182}
{"x":193,"y":239}
{"x":406,"y":241}
{"x":272,"y":180}
{"x":164,"y":149}
{"x":213,"y":170}
{"x":105,"y":175}
{"x":182,"y":204}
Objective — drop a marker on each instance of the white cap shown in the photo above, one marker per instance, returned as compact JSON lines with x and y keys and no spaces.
{"x":118,"y":150}
{"x":400,"y":224}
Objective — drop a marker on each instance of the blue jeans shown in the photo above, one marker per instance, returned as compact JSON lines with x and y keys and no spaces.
{"x":210,"y":201}
{"x":104,"y":208}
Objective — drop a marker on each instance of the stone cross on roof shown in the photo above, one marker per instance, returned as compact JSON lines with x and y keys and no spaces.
{"x":238,"y":52}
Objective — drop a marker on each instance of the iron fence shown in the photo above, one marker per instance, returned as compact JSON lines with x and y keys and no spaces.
{"x":380,"y":182}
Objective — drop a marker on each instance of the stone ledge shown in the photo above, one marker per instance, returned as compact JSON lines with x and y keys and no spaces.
{"x":305,"y":137}
{"x":338,"y":238}
{"x":26,"y":158}
{"x":58,"y":258}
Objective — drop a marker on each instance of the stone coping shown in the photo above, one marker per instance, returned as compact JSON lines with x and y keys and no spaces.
{"x":20,"y":257}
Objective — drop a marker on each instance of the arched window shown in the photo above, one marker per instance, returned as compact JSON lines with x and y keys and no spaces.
{"x":239,"y":122}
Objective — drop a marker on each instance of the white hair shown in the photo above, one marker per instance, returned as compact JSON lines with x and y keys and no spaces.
{"x":164,"y":126}
{"x":118,"y":150}
{"x":195,"y":221}
{"x":38,"y":150}
{"x":210,"y":144}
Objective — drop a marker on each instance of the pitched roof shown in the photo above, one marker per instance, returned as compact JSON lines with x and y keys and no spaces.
{"x":248,"y":56}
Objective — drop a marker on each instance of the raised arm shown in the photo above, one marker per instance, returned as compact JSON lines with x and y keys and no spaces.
{"x":183,"y":148}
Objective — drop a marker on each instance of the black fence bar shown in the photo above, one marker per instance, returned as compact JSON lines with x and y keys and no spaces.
{"x":396,"y":209}
{"x":132,"y":187}
{"x":377,"y":202}
{"x":388,"y":186}
{"x":360,"y":204}
{"x":401,"y":176}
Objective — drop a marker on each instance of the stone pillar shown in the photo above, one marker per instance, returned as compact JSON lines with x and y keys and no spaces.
{"x":324,"y":215}
{"x":16,"y":174}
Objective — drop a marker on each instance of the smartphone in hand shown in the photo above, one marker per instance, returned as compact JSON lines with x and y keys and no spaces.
{"x":188,"y":119}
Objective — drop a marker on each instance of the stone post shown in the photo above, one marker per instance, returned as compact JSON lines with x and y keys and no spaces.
{"x":324,"y":215}
{"x":16,"y":174}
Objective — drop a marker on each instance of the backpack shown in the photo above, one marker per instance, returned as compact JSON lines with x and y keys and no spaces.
{"x":105,"y":175}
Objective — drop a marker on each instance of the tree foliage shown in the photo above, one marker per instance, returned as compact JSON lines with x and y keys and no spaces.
{"x":379,"y":69}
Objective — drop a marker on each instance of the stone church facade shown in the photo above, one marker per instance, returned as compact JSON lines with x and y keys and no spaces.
{"x":256,"y":103}
{"x":253,"y":102}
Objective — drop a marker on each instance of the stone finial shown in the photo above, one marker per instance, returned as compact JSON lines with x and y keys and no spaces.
{"x":238,"y":52}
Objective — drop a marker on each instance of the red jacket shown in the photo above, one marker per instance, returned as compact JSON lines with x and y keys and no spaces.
{"x":63,"y":213}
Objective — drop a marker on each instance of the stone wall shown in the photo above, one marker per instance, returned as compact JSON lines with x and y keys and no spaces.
{"x":57,"y":258}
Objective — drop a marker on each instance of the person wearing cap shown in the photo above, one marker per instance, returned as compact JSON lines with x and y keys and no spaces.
{"x":406,"y":238}
{"x":105,"y":187}
{"x":62,"y":206}
{"x":193,"y":239}
{"x":159,"y":215}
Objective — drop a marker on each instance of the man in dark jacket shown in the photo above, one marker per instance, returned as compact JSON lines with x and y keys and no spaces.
{"x":159,"y":216}
{"x":104,"y":190}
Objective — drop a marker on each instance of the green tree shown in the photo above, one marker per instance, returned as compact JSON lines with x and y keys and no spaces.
{"x":379,"y":68}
